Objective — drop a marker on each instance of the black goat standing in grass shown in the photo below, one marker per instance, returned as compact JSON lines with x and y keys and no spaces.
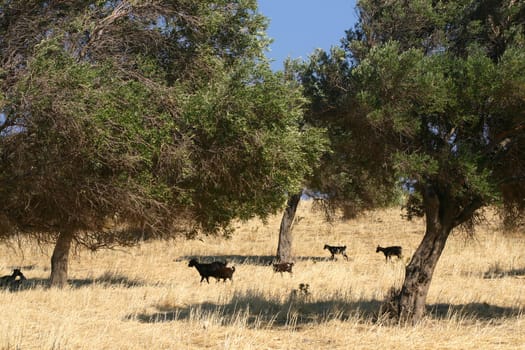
{"x":336,"y":250}
{"x":10,"y":280}
{"x":224,"y":273}
{"x":390,"y":251}
{"x":283,"y":267}
{"x":207,"y":270}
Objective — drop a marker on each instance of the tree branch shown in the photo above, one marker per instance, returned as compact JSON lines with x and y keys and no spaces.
{"x":467,"y":212}
{"x":121,"y":10}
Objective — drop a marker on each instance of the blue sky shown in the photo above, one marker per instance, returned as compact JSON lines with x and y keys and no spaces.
{"x":298,"y":27}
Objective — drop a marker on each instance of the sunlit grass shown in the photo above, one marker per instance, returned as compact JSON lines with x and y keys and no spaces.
{"x":148,"y":298}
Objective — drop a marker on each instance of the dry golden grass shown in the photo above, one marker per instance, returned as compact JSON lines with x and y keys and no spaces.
{"x":148,"y":298}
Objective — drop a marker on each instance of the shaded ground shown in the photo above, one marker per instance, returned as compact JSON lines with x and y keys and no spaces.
{"x":107,"y":279}
{"x":498,"y":272}
{"x":298,"y":310}
{"x":478,"y":311}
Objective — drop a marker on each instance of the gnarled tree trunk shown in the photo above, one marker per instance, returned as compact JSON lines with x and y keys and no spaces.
{"x":60,"y":259}
{"x":284,"y":249}
{"x":442,"y":214}
{"x":418,"y":274}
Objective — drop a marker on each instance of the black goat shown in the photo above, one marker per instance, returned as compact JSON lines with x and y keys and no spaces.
{"x":10,"y":280}
{"x":336,"y":250}
{"x":225,"y":273}
{"x":283,"y":267}
{"x":207,"y":270}
{"x":390,"y":251}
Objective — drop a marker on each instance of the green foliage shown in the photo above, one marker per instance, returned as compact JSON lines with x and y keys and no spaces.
{"x":351,"y":174}
{"x":159,"y":117}
{"x":441,"y":106}
{"x":413,"y":24}
{"x":425,"y":98}
{"x":433,"y":94}
{"x":415,"y":166}
{"x":271,"y":154}
{"x":124,"y":128}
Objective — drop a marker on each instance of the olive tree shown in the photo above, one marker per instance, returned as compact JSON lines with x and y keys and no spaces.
{"x":121,"y":120}
{"x":434,"y":90}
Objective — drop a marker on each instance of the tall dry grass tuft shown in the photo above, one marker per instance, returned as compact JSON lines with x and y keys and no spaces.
{"x":148,"y":297}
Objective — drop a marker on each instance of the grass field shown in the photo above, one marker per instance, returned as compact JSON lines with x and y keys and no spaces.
{"x":148,"y":298}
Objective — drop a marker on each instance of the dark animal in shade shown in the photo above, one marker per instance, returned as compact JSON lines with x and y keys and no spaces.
{"x":224,"y":273}
{"x":336,"y":250}
{"x":390,"y":251}
{"x":9,"y":280}
{"x":283,"y":267}
{"x":207,"y":270}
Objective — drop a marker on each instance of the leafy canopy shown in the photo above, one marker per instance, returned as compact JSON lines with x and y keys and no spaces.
{"x":155,"y":117}
{"x":429,"y":93}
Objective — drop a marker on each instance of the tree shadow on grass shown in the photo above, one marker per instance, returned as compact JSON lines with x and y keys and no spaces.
{"x":106,"y":280}
{"x":497,"y":271}
{"x":258,"y":260}
{"x":257,"y":310}
{"x":477,"y":311}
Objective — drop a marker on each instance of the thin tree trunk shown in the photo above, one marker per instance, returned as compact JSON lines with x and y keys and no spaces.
{"x":60,"y":259}
{"x":284,"y":249}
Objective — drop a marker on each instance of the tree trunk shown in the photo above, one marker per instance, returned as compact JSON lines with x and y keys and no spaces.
{"x":418,"y":273}
{"x":442,"y":214}
{"x":284,"y":249}
{"x":60,"y":259}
